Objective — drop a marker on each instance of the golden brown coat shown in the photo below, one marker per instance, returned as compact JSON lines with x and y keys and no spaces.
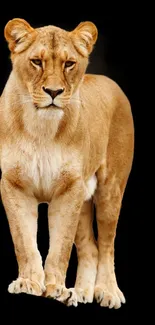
{"x":66,"y":138}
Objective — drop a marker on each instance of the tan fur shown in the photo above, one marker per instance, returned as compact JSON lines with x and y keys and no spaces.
{"x":67,"y":151}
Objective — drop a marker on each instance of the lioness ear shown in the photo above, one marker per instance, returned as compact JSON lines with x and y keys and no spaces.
{"x":18,"y":34}
{"x":84,"y":37}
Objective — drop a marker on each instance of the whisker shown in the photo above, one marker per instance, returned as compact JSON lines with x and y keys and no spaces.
{"x":23,"y":95}
{"x":21,"y":102}
{"x":76,"y":101}
{"x":41,"y":97}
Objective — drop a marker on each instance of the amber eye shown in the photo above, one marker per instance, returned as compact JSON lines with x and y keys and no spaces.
{"x":37,"y":62}
{"x":69,"y":64}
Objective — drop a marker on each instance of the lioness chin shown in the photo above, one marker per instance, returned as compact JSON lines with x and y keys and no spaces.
{"x":66,"y":138}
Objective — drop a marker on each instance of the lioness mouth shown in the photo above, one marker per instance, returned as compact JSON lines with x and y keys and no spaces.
{"x":51,"y":106}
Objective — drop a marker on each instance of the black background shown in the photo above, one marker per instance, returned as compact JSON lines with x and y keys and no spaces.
{"x":117,"y":54}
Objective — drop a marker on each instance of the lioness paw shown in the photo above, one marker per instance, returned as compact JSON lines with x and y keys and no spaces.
{"x":62,"y":294}
{"x":109,"y":297}
{"x":85,"y":295}
{"x":22,"y":285}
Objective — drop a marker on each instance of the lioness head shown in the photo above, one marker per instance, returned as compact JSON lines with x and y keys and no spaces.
{"x":49,"y":62}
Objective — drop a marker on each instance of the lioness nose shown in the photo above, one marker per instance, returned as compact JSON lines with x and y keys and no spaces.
{"x":53,"y":93}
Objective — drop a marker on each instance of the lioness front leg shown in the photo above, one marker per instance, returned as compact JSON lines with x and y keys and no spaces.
{"x":63,"y":216}
{"x":21,"y":212}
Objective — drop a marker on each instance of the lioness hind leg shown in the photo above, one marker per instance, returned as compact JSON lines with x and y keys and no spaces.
{"x":108,"y":200}
{"x":87,"y":255}
{"x":112,"y":179}
{"x":108,"y":204}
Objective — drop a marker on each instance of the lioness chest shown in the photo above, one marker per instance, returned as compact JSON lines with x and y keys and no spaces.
{"x":39,"y":170}
{"x":37,"y":167}
{"x":46,"y":167}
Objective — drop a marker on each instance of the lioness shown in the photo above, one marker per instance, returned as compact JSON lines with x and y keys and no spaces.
{"x":67,"y":139}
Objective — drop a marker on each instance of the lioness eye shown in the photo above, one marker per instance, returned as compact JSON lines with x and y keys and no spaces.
{"x":37,"y":62}
{"x":69,"y":64}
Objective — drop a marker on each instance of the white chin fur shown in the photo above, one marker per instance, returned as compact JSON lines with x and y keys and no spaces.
{"x":51,"y":113}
